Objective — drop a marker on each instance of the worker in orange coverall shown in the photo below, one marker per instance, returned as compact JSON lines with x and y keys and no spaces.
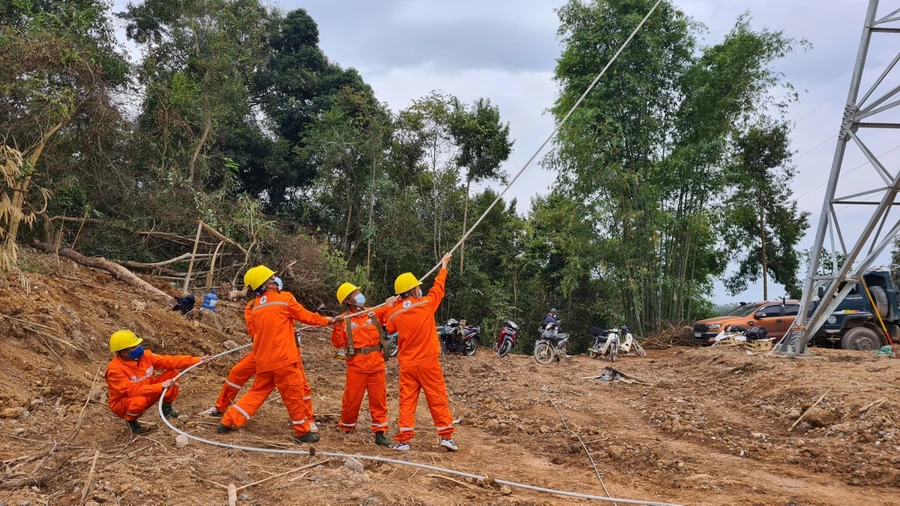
{"x":133,"y":386}
{"x":361,"y":336}
{"x":271,"y":322}
{"x":246,"y":369}
{"x":418,"y":351}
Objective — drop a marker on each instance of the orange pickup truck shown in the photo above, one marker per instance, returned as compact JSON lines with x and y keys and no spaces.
{"x":775,"y":316}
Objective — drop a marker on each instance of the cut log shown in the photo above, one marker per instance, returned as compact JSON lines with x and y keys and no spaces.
{"x":113,"y":268}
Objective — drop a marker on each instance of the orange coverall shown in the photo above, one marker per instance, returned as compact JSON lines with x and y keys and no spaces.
{"x":133,"y":387}
{"x":271,"y":323}
{"x":246,"y":369}
{"x":418,"y":351}
{"x":365,"y":372}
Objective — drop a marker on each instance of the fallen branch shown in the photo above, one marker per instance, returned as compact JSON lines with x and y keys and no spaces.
{"x":232,"y":495}
{"x":302,"y":475}
{"x":87,"y":401}
{"x":211,"y":482}
{"x":90,"y":477}
{"x":447,"y":478}
{"x":141,"y":265}
{"x":218,"y":235}
{"x":307,"y":466}
{"x":113,"y":268}
{"x":871,"y":406}
{"x":808,"y":410}
{"x":26,"y":325}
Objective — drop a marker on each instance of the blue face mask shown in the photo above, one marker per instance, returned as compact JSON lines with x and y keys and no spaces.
{"x":136,"y":353}
{"x":279,"y":283}
{"x":359,"y":300}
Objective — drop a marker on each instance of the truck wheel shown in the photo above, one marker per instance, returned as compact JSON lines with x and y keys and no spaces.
{"x":861,"y":338}
{"x":881,"y":300}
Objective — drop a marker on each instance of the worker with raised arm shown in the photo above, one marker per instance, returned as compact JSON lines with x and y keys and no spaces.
{"x":418,"y":351}
{"x":361,"y":336}
{"x":271,"y":323}
{"x":132,"y":380}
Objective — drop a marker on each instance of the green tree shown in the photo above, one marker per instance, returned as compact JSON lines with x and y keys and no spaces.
{"x":645,"y":152}
{"x":293,"y":86}
{"x":58,"y":69}
{"x":199,"y":56}
{"x":484,"y":145}
{"x":764,"y":223}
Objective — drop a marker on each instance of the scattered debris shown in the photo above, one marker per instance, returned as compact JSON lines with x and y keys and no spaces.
{"x":610,"y":374}
{"x":181,"y":441}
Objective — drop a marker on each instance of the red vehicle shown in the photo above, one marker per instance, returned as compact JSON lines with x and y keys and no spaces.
{"x":507,"y":338}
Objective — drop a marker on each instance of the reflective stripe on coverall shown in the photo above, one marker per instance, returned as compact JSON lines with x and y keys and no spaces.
{"x":364,"y":372}
{"x":133,"y":385}
{"x":241,"y":373}
{"x":275,"y":351}
{"x":420,"y":369}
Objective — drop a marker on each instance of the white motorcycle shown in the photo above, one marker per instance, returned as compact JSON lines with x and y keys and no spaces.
{"x":609,"y":343}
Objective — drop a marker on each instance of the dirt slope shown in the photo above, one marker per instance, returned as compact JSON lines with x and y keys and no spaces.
{"x":712,"y":429}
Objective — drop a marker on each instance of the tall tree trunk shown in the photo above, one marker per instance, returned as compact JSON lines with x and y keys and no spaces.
{"x":434,"y":181}
{"x":346,"y":241}
{"x":21,"y":189}
{"x":462,"y":245}
{"x":207,"y":126}
{"x":371,"y":216}
{"x":762,"y":236}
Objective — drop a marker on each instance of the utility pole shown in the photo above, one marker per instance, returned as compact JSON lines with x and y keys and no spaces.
{"x":864,"y":117}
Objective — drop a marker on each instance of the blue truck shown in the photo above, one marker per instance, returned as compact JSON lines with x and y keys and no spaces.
{"x":854,"y":324}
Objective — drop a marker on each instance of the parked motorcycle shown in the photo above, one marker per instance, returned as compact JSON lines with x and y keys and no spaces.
{"x":551,"y":345}
{"x":457,"y":337}
{"x":609,"y":343}
{"x":507,"y":338}
{"x":389,"y":346}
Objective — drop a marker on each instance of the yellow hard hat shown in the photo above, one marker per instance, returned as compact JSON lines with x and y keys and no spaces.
{"x":344,"y":290}
{"x":405,"y":282}
{"x":256,"y":276}
{"x":123,"y":339}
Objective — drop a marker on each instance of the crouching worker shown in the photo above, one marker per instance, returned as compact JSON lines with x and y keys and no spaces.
{"x":361,"y":336}
{"x":132,"y":381}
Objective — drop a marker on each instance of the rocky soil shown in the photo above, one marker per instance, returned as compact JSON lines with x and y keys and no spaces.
{"x":711,"y":427}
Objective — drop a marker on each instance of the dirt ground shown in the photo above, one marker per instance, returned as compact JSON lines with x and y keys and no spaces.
{"x":710,"y":428}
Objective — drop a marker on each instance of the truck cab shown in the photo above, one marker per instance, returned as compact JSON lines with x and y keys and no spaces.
{"x":854,"y":323}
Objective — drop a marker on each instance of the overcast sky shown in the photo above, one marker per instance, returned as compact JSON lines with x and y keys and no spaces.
{"x":505,"y":50}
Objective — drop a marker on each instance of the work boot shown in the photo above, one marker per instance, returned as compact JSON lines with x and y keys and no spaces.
{"x":380,"y":440}
{"x":401,"y":447}
{"x":223,"y":429}
{"x":136,"y":428}
{"x":167,"y":410}
{"x":309,"y":437}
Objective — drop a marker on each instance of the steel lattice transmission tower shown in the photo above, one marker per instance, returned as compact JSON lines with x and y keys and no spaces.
{"x":863,"y":117}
